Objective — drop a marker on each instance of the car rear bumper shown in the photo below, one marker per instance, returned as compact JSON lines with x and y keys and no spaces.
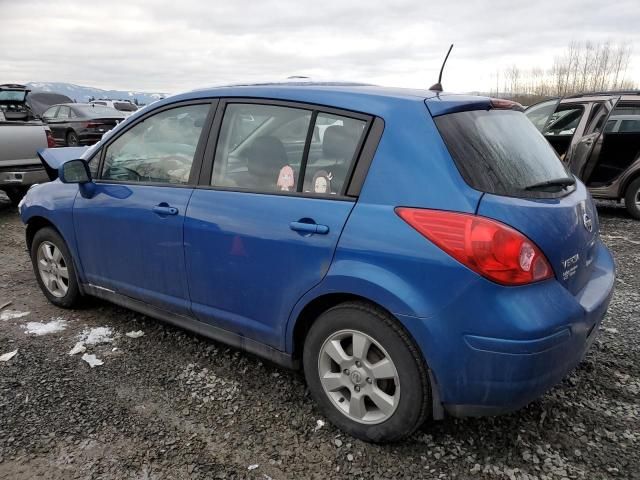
{"x":22,"y":176}
{"x":500,"y":354}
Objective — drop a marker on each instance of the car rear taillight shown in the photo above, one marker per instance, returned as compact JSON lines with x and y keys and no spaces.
{"x":51,"y":142}
{"x":92,"y":124}
{"x":490,"y":248}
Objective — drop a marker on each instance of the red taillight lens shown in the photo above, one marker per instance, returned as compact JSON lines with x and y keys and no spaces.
{"x":488,"y":247}
{"x":92,"y":124}
{"x":51,"y":142}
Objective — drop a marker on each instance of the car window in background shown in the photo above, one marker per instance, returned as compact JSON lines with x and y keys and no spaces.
{"x":125,"y":106}
{"x":499,"y":151}
{"x":628,"y":117}
{"x":630,"y":126}
{"x":97,"y":111}
{"x":564,"y":121}
{"x":50,"y":113}
{"x":260,"y":147}
{"x":539,"y":114}
{"x":64,"y":113}
{"x":341,"y":136}
{"x":12,"y":95}
{"x":159,"y":150}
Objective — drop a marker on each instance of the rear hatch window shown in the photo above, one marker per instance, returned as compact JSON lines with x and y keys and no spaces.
{"x":501,"y":152}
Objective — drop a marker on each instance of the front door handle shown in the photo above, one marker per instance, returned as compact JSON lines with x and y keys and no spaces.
{"x":303,"y":227}
{"x":165,"y":209}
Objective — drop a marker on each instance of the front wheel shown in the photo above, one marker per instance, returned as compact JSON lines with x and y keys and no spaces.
{"x":366,"y":374}
{"x":53,"y":266}
{"x":632,"y":199}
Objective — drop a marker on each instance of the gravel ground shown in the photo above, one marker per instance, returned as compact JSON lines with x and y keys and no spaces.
{"x":170,"y":404}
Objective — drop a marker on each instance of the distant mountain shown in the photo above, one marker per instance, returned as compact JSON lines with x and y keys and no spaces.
{"x":80,"y":93}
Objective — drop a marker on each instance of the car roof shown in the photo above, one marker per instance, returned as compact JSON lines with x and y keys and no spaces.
{"x":360,"y":97}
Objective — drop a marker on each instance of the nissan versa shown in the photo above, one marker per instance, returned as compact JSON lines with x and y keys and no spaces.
{"x":414,"y":252}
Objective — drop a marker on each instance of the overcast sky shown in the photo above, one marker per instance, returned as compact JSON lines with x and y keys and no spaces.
{"x":176,"y":45}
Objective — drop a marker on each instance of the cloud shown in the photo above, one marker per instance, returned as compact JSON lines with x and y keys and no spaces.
{"x":169,"y":45}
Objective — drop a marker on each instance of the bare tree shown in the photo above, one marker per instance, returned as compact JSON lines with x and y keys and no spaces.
{"x":583,"y":67}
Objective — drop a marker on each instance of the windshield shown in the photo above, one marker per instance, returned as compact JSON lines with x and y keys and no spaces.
{"x":12,"y":95}
{"x":500,"y":152}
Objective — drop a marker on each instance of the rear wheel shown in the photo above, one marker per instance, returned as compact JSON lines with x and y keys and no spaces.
{"x":54,"y":268}
{"x":632,"y":199}
{"x":365,"y":373}
{"x":72,"y":139}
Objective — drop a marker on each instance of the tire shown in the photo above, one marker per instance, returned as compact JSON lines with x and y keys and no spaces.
{"x":72,"y":139}
{"x":61,"y":292}
{"x":15,"y":194}
{"x":632,"y":198}
{"x":405,"y":382}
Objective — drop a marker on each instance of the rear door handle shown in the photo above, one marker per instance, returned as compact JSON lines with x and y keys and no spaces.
{"x":164,"y":209}
{"x":309,"y":228}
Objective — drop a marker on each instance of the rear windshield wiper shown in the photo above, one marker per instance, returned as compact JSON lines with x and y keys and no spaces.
{"x":556,"y":182}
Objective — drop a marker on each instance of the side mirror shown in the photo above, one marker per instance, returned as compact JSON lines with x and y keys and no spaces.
{"x":74,"y":171}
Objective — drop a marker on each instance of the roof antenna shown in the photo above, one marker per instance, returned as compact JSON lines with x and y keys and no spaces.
{"x":437,"y":87}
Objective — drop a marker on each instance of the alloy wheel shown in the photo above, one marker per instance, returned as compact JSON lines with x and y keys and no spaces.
{"x":53,"y":269}
{"x":359,"y":377}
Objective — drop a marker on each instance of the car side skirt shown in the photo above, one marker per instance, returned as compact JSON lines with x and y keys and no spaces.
{"x":215,"y":333}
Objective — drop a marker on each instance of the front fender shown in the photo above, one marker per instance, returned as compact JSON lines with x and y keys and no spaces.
{"x":53,"y":203}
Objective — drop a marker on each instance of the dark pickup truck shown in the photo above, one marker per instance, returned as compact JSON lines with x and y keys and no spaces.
{"x":598,"y":136}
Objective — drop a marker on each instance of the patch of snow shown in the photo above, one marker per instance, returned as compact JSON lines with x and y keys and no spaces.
{"x":11,"y":314}
{"x":253,"y":467}
{"x":8,"y":356}
{"x":92,"y":360}
{"x":96,"y":336}
{"x":39,"y":328}
{"x":135,"y":334}
{"x":78,"y":348}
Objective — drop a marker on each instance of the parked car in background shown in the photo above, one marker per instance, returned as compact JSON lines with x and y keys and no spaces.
{"x":427,"y":253}
{"x":74,"y":124}
{"x":22,"y":134}
{"x":598,"y":136}
{"x":124,"y":106}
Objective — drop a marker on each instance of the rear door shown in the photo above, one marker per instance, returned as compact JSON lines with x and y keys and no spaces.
{"x":54,"y":122}
{"x":587,"y":151}
{"x":262,"y":227}
{"x":500,"y":153}
{"x":130,"y":229}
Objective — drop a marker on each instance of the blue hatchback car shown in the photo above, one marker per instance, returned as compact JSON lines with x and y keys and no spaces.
{"x":414,"y":252}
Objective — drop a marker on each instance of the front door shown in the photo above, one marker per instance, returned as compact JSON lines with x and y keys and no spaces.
{"x":130,"y":229}
{"x":264,"y":229}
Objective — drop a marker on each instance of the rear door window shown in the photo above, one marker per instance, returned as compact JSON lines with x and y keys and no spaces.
{"x":500,"y":151}
{"x":262,"y":148}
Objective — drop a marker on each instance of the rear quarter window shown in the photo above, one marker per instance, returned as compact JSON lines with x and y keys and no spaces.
{"x":500,"y":151}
